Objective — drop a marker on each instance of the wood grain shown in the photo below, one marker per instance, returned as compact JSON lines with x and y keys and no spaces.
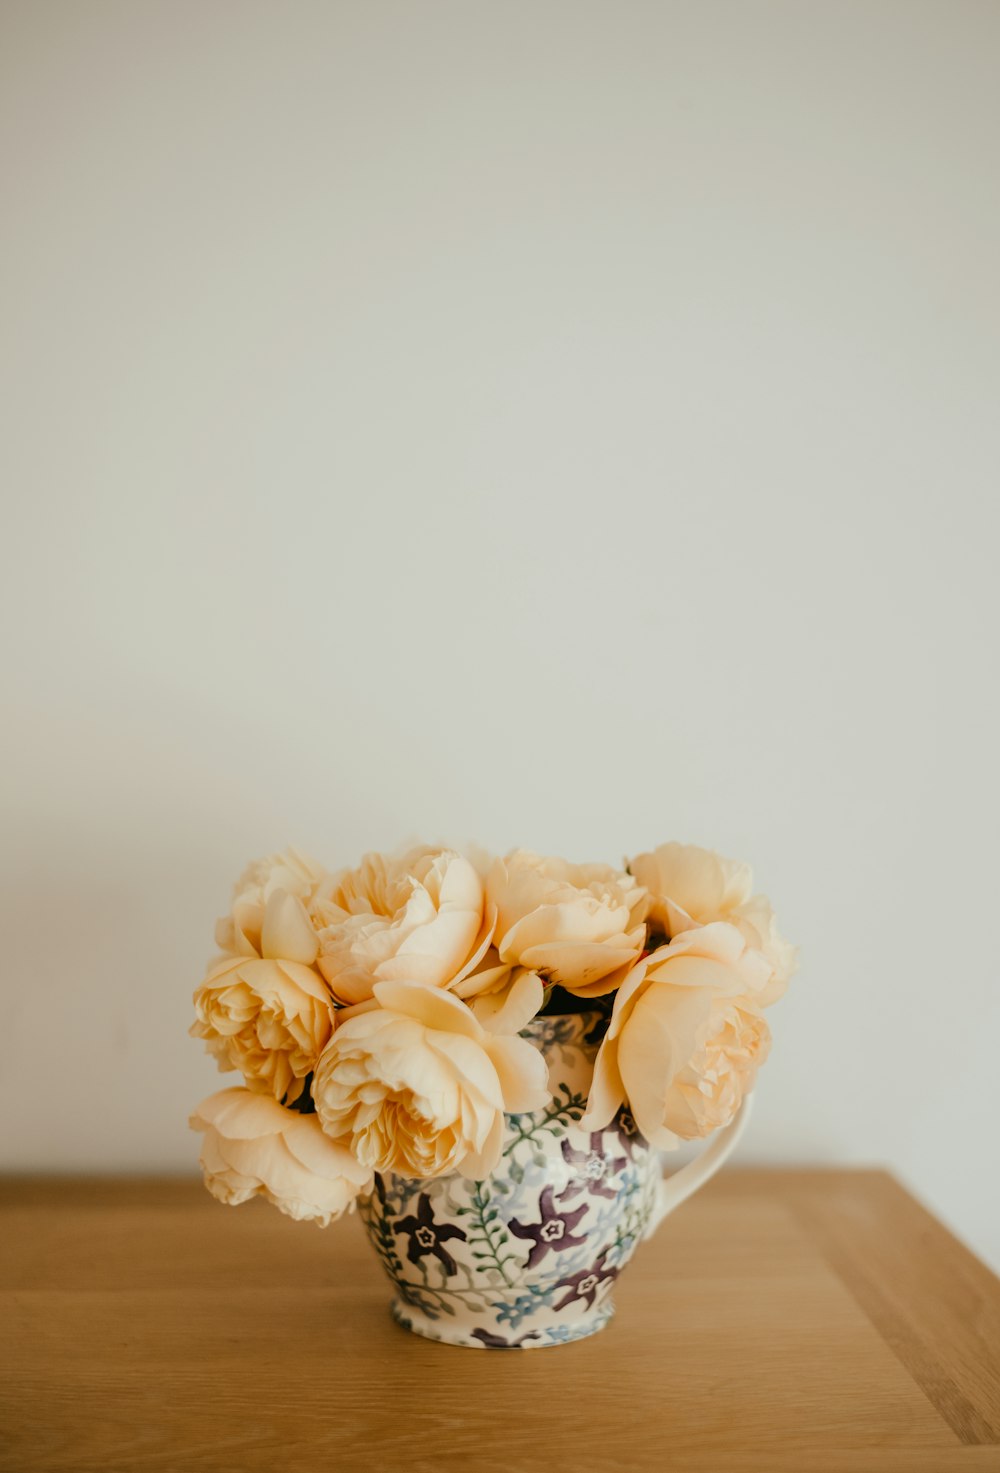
{"x":780,"y":1321}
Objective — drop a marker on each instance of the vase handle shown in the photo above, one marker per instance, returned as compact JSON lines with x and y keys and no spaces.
{"x":679,"y":1185}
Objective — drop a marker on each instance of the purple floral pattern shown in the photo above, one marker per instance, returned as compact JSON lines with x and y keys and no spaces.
{"x":595,"y":1169}
{"x":554,"y":1233}
{"x":626,"y":1130}
{"x":428,"y":1236}
{"x":589,"y":1284}
{"x":497,"y":1342}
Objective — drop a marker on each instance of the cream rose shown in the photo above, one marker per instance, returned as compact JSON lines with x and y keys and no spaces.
{"x":270,"y":910}
{"x":269,"y":1019}
{"x":689,"y":887}
{"x":255,"y":1147}
{"x":417,"y":1085}
{"x":421,"y":918}
{"x":581,"y":925}
{"x":685,"y":1039}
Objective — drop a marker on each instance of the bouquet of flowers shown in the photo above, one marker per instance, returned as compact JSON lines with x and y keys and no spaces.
{"x":375,"y":1013}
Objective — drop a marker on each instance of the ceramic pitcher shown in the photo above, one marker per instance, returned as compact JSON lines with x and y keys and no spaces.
{"x":529,"y":1257}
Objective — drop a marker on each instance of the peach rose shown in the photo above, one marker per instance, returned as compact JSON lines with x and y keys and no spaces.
{"x":421,"y":918}
{"x":255,"y":1147}
{"x":269,"y":1019}
{"x":418,"y":1086}
{"x":689,"y":886}
{"x":580,"y":925}
{"x":685,"y":1038}
{"x":270,"y":911}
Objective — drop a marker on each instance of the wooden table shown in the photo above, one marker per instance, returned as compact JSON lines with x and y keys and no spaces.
{"x":781,"y":1321}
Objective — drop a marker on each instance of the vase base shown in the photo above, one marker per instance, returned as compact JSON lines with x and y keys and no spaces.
{"x":476,"y":1338}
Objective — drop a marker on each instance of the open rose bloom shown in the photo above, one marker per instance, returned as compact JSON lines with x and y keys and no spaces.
{"x":481,"y":1051}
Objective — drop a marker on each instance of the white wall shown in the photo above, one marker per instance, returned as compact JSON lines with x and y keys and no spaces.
{"x":562,"y":424}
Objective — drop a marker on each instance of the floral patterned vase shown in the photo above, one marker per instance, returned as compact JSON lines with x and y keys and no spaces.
{"x":530,"y":1256}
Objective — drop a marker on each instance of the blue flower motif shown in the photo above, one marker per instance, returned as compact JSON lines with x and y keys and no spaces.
{"x":512,"y":1312}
